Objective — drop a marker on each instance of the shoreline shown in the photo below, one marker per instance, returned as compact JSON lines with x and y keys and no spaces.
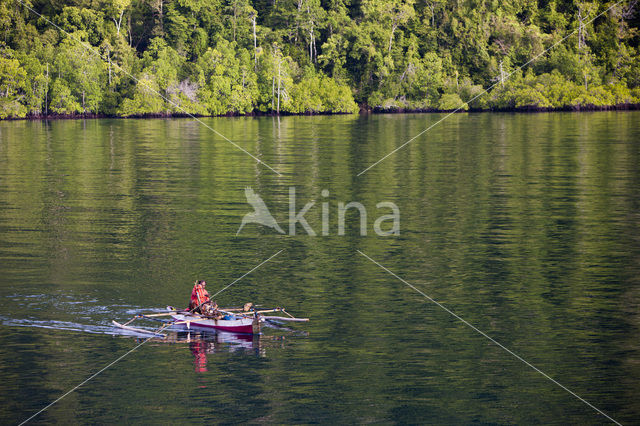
{"x":363,"y":110}
{"x":529,"y":109}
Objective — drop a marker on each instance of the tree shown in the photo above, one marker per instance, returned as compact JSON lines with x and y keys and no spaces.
{"x":583,"y":14}
{"x":240,"y":56}
{"x":451,"y":102}
{"x":146,"y":99}
{"x":241,"y":16}
{"x":115,"y":9}
{"x":62,"y":100}
{"x":391,"y":13}
{"x":228,"y":81}
{"x":12,"y":83}
{"x":157,"y":6}
{"x":309,"y":18}
{"x":164,"y":63}
{"x":36,"y":86}
{"x":83,"y":72}
{"x":316,"y":92}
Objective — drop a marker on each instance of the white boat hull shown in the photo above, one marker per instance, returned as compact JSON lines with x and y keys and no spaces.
{"x":240,"y":325}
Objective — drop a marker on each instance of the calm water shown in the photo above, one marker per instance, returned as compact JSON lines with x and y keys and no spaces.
{"x":527,"y":226}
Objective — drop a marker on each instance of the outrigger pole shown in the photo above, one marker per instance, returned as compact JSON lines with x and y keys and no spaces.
{"x":140,"y":330}
{"x":244,"y":321}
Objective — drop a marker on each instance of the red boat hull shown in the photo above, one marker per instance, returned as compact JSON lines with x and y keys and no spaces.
{"x":241,"y":325}
{"x":243,"y":329}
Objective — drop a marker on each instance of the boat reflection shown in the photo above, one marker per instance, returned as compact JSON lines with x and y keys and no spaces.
{"x":203,"y":343}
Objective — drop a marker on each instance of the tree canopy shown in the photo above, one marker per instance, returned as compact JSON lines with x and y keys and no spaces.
{"x":215,"y":57}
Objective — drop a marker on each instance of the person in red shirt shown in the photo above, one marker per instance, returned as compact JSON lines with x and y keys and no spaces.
{"x":201,"y":303}
{"x":199,"y":297}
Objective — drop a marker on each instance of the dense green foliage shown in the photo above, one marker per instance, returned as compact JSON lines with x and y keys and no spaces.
{"x":213,"y":57}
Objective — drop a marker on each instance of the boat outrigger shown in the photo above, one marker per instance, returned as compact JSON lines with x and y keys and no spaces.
{"x":234,"y":320}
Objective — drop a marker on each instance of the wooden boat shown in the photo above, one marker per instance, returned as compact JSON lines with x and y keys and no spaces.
{"x":234,"y":324}
{"x":235,"y":320}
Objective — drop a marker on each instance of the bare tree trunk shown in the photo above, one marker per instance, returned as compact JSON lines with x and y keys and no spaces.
{"x":315,"y":50}
{"x":46,"y":93}
{"x":235,"y":19}
{"x":586,"y":84}
{"x":279,"y":80}
{"x":297,"y":21}
{"x":433,"y":14}
{"x":255,"y":45}
{"x":393,"y":30}
{"x":158,"y":17}
{"x":129,"y":25}
{"x":581,"y":29}
{"x":118,"y":22}
{"x":579,"y":32}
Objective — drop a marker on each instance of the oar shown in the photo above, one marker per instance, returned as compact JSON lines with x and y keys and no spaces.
{"x":225,"y":311}
{"x":161,"y":315}
{"x":269,"y":310}
{"x":252,"y":312}
{"x":165,"y":314}
{"x":286,"y":319}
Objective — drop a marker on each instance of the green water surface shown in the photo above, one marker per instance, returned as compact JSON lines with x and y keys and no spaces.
{"x":526,"y":226}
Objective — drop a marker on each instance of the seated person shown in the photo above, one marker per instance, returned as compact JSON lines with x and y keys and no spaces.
{"x":200,"y":302}
{"x":199,"y":296}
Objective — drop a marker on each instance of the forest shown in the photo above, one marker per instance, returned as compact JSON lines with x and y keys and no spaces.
{"x":233,"y":57}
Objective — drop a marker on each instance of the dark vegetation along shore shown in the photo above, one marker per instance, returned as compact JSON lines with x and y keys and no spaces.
{"x":226,"y":57}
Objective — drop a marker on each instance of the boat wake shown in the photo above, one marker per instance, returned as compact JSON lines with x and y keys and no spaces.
{"x":68,"y":313}
{"x":57,"y":325}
